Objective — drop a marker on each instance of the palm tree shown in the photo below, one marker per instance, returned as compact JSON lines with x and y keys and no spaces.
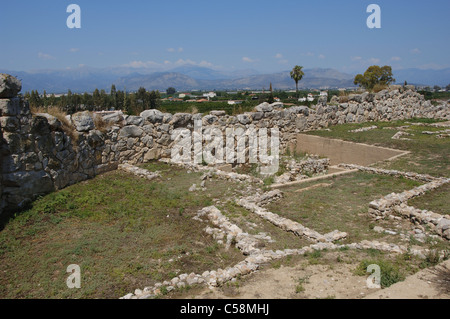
{"x":297,"y":74}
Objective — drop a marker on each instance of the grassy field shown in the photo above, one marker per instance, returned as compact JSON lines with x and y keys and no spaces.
{"x":128,"y":233}
{"x":436,"y":201}
{"x":123,"y":231}
{"x":342,"y":204}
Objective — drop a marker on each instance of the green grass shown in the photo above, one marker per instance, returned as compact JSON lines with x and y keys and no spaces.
{"x":390,"y":272}
{"x":123,"y":231}
{"x":436,"y":201}
{"x":343,"y":205}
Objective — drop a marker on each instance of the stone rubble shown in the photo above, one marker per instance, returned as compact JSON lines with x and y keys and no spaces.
{"x":364,"y":129}
{"x":312,"y":165}
{"x":439,"y":224}
{"x":398,"y":136}
{"x":214,"y":171}
{"x":384,"y":206}
{"x":140,"y":172}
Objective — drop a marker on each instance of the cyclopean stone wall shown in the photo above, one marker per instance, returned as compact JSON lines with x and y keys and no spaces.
{"x":41,"y":153}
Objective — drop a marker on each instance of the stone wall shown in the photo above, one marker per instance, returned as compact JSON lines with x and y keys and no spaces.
{"x":42,"y":153}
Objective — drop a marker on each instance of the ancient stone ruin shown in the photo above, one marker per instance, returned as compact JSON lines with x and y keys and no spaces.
{"x":41,"y":153}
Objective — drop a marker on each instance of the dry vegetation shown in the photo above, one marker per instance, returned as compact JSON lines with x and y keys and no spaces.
{"x":55,"y":111}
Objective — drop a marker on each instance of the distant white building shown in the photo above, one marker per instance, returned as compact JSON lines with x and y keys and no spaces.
{"x":234,"y":102}
{"x":310,"y":97}
{"x":210,"y":95}
{"x":302,"y":99}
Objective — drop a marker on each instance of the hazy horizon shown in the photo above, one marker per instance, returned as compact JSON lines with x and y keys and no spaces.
{"x":237,"y":35}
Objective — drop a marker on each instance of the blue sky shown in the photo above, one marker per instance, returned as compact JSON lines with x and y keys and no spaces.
{"x":267,"y":36}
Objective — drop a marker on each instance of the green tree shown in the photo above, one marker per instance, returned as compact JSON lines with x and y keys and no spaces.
{"x":35,"y":99}
{"x":113,"y":96}
{"x":297,"y":75}
{"x":375,"y":75}
{"x":96,"y":98}
{"x":171,"y":91}
{"x":52,"y":100}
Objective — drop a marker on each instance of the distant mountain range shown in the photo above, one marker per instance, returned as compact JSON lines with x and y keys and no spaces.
{"x":189,"y":77}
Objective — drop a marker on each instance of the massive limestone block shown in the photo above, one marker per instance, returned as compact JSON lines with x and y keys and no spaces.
{"x":52,"y":121}
{"x":10,"y":86}
{"x":112,"y":118}
{"x":244,"y":119}
{"x":153,"y":116}
{"x":181,"y":119}
{"x":264,"y":107}
{"x":135,"y":120}
{"x":83,"y":121}
{"x":131,"y":131}
{"x":10,"y":107}
{"x":210,"y":119}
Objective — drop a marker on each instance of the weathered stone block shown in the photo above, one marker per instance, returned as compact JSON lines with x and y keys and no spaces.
{"x":10,"y":86}
{"x":130,"y":131}
{"x":10,"y":107}
{"x":83,"y":121}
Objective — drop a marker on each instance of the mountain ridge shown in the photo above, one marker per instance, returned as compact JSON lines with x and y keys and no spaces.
{"x":189,"y":77}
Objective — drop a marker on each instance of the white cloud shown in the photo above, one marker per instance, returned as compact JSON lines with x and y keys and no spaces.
{"x":248,"y":60}
{"x":321,"y":56}
{"x":142,"y":64}
{"x":309,"y":54}
{"x":172,"y":50}
{"x":356,"y":58}
{"x":374,"y":60}
{"x":396,"y":58}
{"x":278,"y":56}
{"x":45,"y":56}
{"x":73,"y":50}
{"x":415,"y":51}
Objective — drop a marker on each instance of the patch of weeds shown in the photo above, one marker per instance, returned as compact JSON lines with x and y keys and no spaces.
{"x":164,"y":290}
{"x":314,"y":257}
{"x":390,"y":273}
{"x":432,"y":258}
{"x":212,"y":248}
{"x":276,"y":264}
{"x":269,"y":181}
{"x":299,"y":288}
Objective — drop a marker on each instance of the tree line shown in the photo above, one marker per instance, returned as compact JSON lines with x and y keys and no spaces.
{"x":132,"y":103}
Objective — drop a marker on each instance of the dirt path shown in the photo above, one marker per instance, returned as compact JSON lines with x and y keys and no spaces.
{"x":310,"y":282}
{"x":322,"y":281}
